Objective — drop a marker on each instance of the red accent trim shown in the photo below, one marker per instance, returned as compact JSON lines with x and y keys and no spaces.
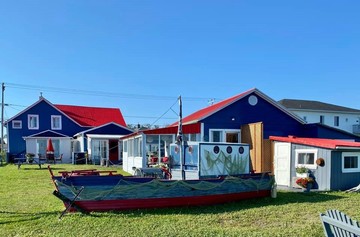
{"x":186,"y":129}
{"x":111,"y":205}
{"x":318,"y":142}
{"x":52,"y":178}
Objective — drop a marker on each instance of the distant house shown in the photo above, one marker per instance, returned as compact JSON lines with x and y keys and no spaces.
{"x":335,"y":164}
{"x":72,"y":129}
{"x":340,"y":117}
{"x":250,"y":117}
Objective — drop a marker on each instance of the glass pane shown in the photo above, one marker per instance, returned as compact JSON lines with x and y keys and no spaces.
{"x":125,"y":146}
{"x":41,"y":147}
{"x":56,"y":145}
{"x":306,"y":158}
{"x":350,"y":162}
{"x":216,"y":136}
{"x":165,"y":141}
{"x":33,"y":122}
{"x":232,"y":137}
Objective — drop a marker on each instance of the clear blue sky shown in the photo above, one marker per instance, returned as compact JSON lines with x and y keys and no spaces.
{"x":139,"y":56}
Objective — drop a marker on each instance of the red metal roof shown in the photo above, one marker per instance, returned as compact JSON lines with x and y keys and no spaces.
{"x":186,"y":129}
{"x":92,"y":116}
{"x":203,"y":113}
{"x":318,"y":142}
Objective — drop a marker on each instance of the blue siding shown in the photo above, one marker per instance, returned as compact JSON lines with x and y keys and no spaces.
{"x":276,"y":122}
{"x":111,"y":129}
{"x":340,"y":180}
{"x":17,"y":144}
{"x":321,"y":131}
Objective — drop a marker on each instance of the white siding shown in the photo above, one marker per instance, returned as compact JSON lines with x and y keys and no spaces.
{"x":346,"y":121}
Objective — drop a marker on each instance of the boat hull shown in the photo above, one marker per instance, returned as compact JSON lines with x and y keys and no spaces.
{"x":117,"y":193}
{"x":131,"y":204}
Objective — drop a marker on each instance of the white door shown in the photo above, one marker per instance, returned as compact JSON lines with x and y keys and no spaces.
{"x":282,"y":159}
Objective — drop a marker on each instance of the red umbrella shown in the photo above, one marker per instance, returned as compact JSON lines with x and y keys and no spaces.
{"x":49,"y":148}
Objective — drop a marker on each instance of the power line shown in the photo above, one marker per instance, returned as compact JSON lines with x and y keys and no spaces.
{"x":105,"y":94}
{"x":98,"y":93}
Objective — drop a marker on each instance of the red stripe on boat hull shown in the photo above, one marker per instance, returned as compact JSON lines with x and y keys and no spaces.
{"x":129,"y":204}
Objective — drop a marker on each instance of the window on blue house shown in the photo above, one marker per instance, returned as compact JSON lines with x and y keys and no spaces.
{"x":350,"y":162}
{"x":33,"y":121}
{"x":225,"y":135}
{"x":17,"y":124}
{"x":56,"y":122}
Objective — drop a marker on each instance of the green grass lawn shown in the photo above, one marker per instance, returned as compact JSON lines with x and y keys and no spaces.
{"x":28,"y":208}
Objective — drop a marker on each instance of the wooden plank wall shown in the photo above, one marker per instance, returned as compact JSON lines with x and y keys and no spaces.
{"x":261,"y":150}
{"x":268,"y":156}
{"x":252,"y":134}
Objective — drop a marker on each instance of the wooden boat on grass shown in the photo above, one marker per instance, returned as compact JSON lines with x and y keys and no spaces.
{"x":90,"y":191}
{"x":203,"y":173}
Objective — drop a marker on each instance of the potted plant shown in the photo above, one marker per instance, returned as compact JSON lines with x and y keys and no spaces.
{"x":305,"y":183}
{"x":29,"y":157}
{"x":302,"y":171}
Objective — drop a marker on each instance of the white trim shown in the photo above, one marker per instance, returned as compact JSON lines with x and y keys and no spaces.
{"x":94,"y":128}
{"x":37,"y":121}
{"x":202,"y":132}
{"x":223,"y":134}
{"x":39,"y":133}
{"x":104,"y":136}
{"x":350,"y":170}
{"x":300,"y":151}
{"x":16,"y":127}
{"x":347,"y":148}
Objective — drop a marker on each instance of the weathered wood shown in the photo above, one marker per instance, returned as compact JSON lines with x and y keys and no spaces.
{"x":336,"y":223}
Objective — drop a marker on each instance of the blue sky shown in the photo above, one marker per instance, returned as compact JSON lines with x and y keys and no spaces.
{"x":139,"y":56}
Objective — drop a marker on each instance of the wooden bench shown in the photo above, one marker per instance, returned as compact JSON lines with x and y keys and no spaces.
{"x":336,"y":223}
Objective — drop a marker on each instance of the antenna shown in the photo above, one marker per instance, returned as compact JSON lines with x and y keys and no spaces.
{"x":211,"y":101}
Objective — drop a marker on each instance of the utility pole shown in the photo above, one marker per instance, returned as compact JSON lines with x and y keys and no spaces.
{"x":2,"y":116}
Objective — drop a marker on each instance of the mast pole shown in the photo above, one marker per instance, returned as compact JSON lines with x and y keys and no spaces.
{"x":179,"y":139}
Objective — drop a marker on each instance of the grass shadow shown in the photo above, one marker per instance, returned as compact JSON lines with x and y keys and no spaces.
{"x":18,"y":217}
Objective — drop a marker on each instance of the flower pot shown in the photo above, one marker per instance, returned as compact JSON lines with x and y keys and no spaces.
{"x":302,"y":175}
{"x":308,"y":187}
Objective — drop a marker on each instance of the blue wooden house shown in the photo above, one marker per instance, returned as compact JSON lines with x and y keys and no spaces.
{"x":72,"y":129}
{"x":250,"y":117}
{"x":333,"y":164}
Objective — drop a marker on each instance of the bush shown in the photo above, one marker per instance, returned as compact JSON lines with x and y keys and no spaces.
{"x":301,"y":169}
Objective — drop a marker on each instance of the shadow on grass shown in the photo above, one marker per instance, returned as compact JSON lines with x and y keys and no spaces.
{"x":284,"y":198}
{"x":16,"y":217}
{"x":42,"y":168}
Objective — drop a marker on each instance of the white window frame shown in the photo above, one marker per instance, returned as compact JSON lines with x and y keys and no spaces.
{"x":29,"y":121}
{"x":223,"y":134}
{"x":19,"y":122}
{"x":52,"y":122}
{"x":350,"y":170}
{"x":301,"y":151}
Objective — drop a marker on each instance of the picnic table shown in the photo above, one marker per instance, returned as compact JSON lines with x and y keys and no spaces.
{"x":89,"y":172}
{"x":22,"y":160}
